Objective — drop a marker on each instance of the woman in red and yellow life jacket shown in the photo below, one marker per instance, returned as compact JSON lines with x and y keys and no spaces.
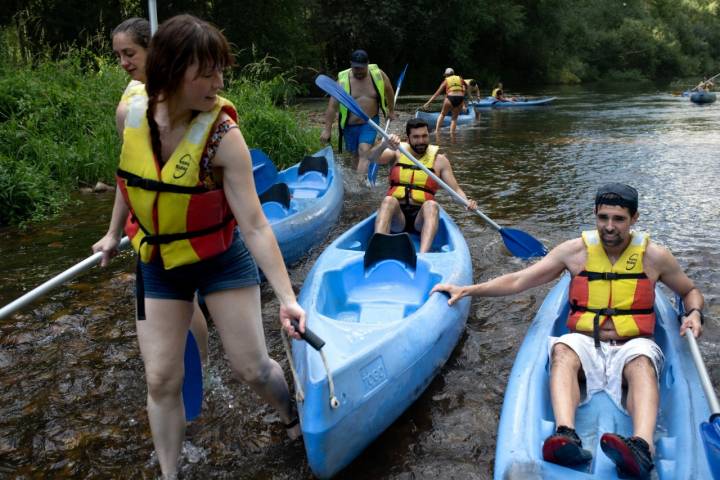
{"x":454,"y":87}
{"x":408,"y":182}
{"x":620,"y":291}
{"x":183,"y":230}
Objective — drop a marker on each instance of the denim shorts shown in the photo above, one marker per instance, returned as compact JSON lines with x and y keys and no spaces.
{"x":234,"y":268}
{"x":356,"y":134}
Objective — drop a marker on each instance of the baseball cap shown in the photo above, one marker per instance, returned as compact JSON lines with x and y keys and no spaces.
{"x":359,"y":58}
{"x":449,"y":71}
{"x":617,"y":194}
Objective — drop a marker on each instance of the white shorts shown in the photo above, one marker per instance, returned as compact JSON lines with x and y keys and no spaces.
{"x":603,"y":367}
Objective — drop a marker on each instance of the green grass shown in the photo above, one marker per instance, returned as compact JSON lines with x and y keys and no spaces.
{"x":57,"y":128}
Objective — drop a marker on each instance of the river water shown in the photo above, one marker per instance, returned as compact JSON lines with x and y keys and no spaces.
{"x":72,"y":391}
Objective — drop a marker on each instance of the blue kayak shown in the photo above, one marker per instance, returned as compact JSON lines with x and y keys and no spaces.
{"x":703,"y":97}
{"x":367,"y":297}
{"x":491,"y":102}
{"x":465,"y":117}
{"x":302,"y":202}
{"x":527,"y":417}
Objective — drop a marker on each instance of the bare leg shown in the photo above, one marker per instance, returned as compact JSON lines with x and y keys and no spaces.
{"x":564,"y":385}
{"x":389,"y":217}
{"x":453,"y":122}
{"x":238,"y":318}
{"x":362,"y":166}
{"x":162,"y":344}
{"x":441,"y":118}
{"x":643,"y":397}
{"x":426,"y":223}
{"x":199,"y":329}
{"x":355,"y":160}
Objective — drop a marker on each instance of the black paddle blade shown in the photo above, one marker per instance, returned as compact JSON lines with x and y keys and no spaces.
{"x":521,"y":244}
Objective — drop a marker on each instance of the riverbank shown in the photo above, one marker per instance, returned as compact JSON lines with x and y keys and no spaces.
{"x":57,"y":129}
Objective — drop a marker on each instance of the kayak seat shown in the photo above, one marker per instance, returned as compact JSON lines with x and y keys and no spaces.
{"x":390,"y":247}
{"x":276,"y":201}
{"x":387,"y":290}
{"x":313,"y":164}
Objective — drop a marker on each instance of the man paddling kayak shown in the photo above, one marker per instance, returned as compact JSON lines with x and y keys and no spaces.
{"x":610,"y":347}
{"x":409,"y":203}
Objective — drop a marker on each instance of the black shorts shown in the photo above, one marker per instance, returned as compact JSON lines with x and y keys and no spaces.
{"x":456,"y":100}
{"x":410,"y":212}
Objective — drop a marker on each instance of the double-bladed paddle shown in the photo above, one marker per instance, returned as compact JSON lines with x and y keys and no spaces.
{"x":710,"y":430}
{"x":519,"y":243}
{"x":373,"y":167}
{"x":192,"y":383}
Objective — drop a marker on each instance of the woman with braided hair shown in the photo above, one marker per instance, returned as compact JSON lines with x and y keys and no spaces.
{"x":185,"y":178}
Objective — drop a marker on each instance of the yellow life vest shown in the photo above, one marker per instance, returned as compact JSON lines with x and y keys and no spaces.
{"x":620,"y":290}
{"x":377,"y":81}
{"x":454,"y":84}
{"x":495,"y":92}
{"x":408,"y":182}
{"x":133,"y":88}
{"x":171,"y":211}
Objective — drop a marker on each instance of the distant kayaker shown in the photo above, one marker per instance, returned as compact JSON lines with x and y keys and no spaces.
{"x":373,"y":91}
{"x":185,"y":174}
{"x":499,"y":95}
{"x":409,"y":204}
{"x":473,"y":90}
{"x":610,"y":348}
{"x":454,"y":87}
{"x":130,"y":41}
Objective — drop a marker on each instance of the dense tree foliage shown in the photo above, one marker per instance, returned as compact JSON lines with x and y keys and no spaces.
{"x":521,"y":40}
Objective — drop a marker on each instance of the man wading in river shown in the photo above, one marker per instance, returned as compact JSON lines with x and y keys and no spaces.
{"x":612,"y":292}
{"x":373,"y":91}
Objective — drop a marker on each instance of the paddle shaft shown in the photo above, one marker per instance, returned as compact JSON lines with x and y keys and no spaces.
{"x":55,"y":282}
{"x":703,"y":374}
{"x":397,"y":94}
{"x":437,"y":179}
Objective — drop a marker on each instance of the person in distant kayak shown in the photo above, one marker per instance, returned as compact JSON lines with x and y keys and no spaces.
{"x":454,"y":87}
{"x":409,"y":204}
{"x":610,"y":346}
{"x":185,"y":178}
{"x":499,"y":95}
{"x":373,"y":91}
{"x":130,"y":40}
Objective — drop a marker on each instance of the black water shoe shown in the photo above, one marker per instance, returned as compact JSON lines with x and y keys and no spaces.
{"x":565,"y":448}
{"x":631,"y":455}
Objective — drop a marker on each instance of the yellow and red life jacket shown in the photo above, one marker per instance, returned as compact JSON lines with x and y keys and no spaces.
{"x":408,"y":182}
{"x":171,"y":212}
{"x":454,"y":84}
{"x":621,"y":290}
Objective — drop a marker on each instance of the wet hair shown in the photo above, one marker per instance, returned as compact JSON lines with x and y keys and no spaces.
{"x":618,"y":194}
{"x":180,"y":42}
{"x":414,"y":123}
{"x":137,"y":28}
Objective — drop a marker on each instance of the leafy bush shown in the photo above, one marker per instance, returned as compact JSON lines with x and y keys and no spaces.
{"x":57,"y":128}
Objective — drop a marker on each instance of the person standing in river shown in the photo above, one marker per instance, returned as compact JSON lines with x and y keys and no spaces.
{"x":186,"y":180}
{"x":454,"y":87}
{"x":611,"y":321}
{"x":130,"y":41}
{"x":373,"y":91}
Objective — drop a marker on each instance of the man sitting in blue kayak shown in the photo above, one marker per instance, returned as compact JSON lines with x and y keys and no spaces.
{"x":612,"y":321}
{"x":409,"y":204}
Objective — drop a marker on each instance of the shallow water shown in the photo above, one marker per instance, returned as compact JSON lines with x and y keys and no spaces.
{"x":71,"y":383}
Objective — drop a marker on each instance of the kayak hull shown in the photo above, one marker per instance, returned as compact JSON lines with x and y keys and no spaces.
{"x":386,"y":338}
{"x":703,"y":97}
{"x":315,"y":203}
{"x":464,"y":118}
{"x":490,"y":102}
{"x":527,"y":418}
